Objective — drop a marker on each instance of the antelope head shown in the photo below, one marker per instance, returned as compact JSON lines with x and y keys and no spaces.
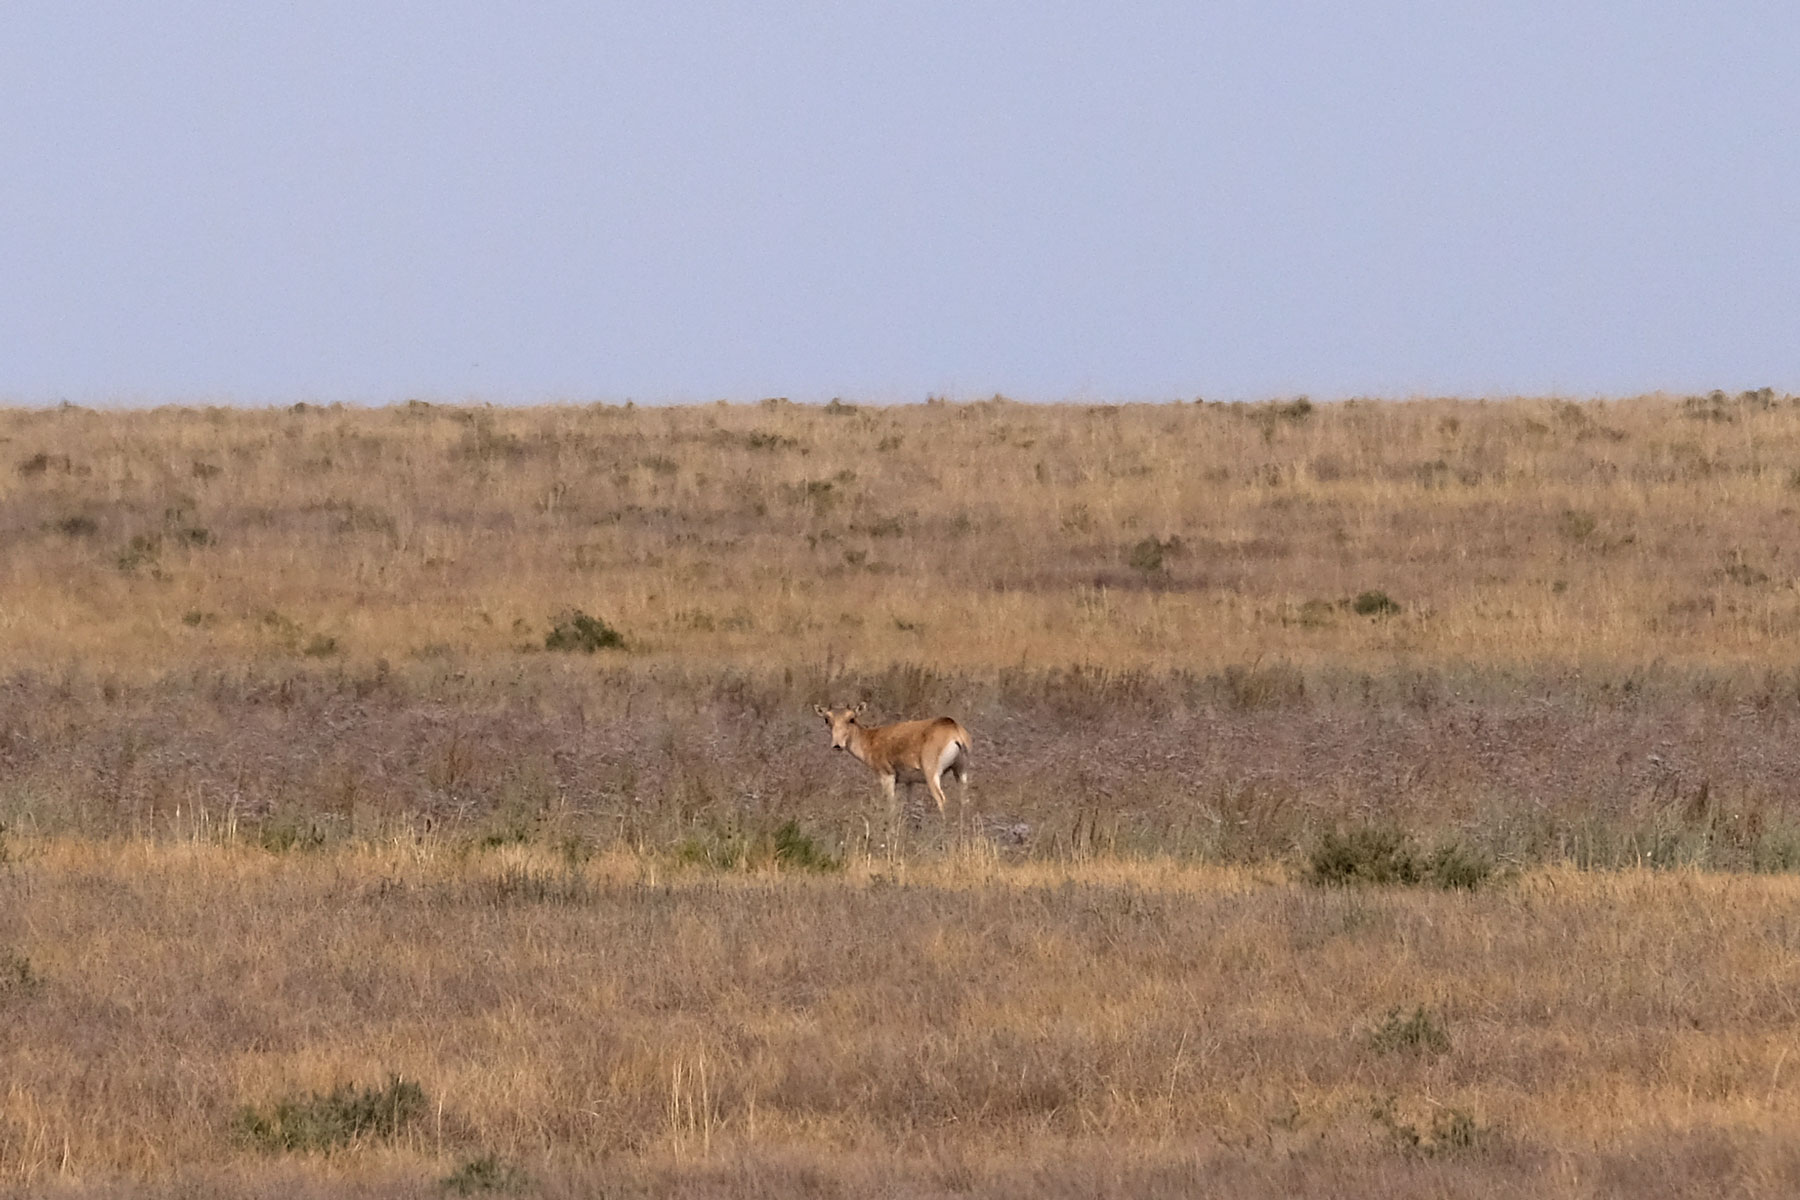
{"x":842,"y":721}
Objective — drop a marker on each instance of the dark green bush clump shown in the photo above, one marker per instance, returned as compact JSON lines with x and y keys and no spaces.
{"x":1455,"y":865}
{"x":575,"y":630}
{"x":1148,"y":555}
{"x":17,"y":980}
{"x":1367,"y":855}
{"x":1415,"y":1033}
{"x":344,"y":1116}
{"x":1374,"y":604}
{"x":789,"y":847}
{"x":1382,"y":855}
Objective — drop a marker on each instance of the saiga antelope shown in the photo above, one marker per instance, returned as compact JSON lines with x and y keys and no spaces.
{"x":908,"y":752}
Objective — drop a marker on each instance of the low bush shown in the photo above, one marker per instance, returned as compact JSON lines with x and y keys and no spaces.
{"x":1374,"y":603}
{"x":788,"y":847}
{"x":1411,"y":1033}
{"x":345,"y":1116}
{"x":1385,"y":855}
{"x":576,"y":631}
{"x":18,"y":981}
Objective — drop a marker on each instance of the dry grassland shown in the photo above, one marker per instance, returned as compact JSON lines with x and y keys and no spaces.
{"x":299,"y":797}
{"x":968,"y":537}
{"x":952,"y":1027}
{"x":1568,"y":632}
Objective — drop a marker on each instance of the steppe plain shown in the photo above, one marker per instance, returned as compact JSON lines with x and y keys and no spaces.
{"x":427,"y":800}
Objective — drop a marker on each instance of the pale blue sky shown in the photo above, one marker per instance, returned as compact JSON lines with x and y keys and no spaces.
{"x":368,"y":201}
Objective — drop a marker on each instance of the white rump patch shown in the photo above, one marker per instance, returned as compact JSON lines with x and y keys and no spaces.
{"x":948,"y":756}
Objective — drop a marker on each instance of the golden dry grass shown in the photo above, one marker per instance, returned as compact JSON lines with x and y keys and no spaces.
{"x":955,"y":1027}
{"x":973,"y":536}
{"x":224,"y":630}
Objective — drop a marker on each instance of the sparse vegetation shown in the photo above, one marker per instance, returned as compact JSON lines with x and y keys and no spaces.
{"x":1417,"y":1032}
{"x":788,"y":847}
{"x":1033,"y":1017}
{"x":485,"y":1173}
{"x":1149,"y":554}
{"x":1374,"y":854}
{"x":530,"y":885}
{"x":575,"y":630}
{"x":1435,"y":1131}
{"x":291,"y":832}
{"x":17,"y":980}
{"x":346,"y":1116}
{"x":630,"y":926}
{"x":1373,"y":603}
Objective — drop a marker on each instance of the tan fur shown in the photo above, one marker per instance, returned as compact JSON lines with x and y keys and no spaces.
{"x":907,"y":752}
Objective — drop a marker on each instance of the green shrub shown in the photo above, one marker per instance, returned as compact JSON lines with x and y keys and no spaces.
{"x":1367,"y":855}
{"x":788,"y":847}
{"x":1378,"y":854}
{"x":1414,"y":1033}
{"x":1374,"y":603}
{"x":17,"y":980}
{"x":1456,"y":865}
{"x":347,"y":1115}
{"x":320,"y":646}
{"x":575,"y":630}
{"x":1148,"y":555}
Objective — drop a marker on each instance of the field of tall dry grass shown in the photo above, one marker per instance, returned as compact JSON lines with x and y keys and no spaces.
{"x":428,"y":800}
{"x":965,"y":537}
{"x":405,"y":1019}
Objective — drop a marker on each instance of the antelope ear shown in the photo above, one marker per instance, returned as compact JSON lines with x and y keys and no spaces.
{"x":820,"y":709}
{"x":862,"y":706}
